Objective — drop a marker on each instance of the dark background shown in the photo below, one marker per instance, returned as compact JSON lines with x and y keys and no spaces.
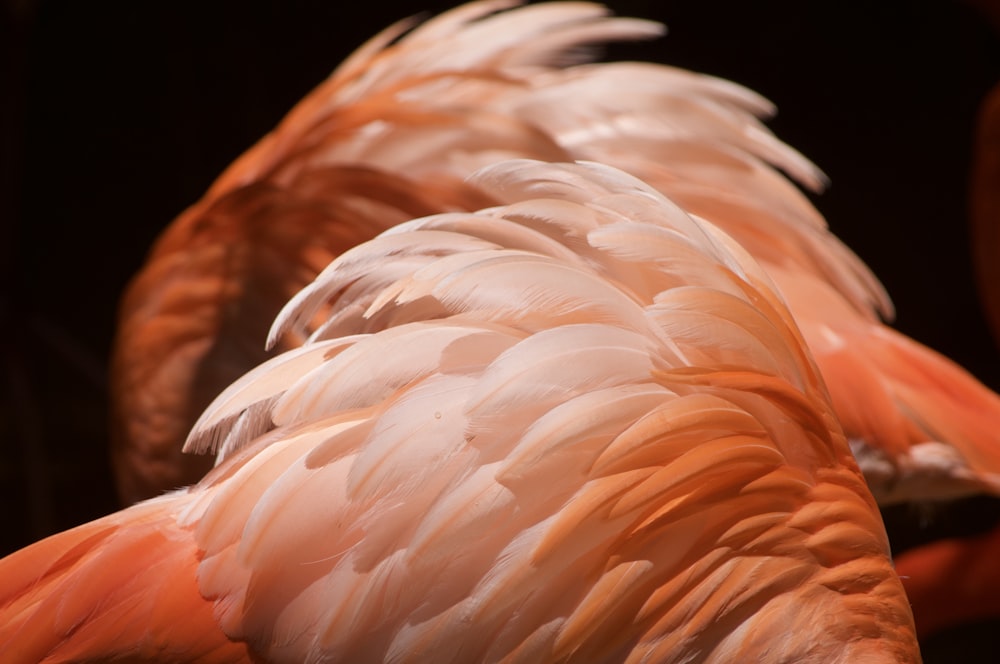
{"x":115,"y":116}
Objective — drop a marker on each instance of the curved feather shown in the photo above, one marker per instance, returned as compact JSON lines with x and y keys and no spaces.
{"x":564,"y":512}
{"x":512,"y":486}
{"x":392,"y":134}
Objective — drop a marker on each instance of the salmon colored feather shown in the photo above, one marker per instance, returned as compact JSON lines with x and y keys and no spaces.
{"x":130,"y":578}
{"x":577,"y":425}
{"x":446,"y":477}
{"x":394,"y":132}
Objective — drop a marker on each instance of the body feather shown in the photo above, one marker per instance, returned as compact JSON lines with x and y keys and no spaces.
{"x":393,"y":134}
{"x":548,"y":390}
{"x":520,"y":487}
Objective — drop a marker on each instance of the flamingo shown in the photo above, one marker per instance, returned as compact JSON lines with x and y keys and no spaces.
{"x":508,"y":439}
{"x":506,"y":435}
{"x":895,"y":477}
{"x":393,"y":133}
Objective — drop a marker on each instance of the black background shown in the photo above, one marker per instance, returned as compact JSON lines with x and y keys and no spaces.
{"x":115,"y":116}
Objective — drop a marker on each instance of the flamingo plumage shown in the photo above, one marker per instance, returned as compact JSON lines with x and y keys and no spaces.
{"x":851,"y":286}
{"x":508,"y":441}
{"x":394,"y":132}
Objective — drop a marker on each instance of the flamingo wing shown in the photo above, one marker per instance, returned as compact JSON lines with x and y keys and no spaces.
{"x":394,"y":132}
{"x":578,"y":426}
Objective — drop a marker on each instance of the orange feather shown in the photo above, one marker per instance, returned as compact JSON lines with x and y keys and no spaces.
{"x":506,"y":485}
{"x":394,"y":132}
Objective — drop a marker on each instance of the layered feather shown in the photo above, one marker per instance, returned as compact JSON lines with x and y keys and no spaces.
{"x":384,"y":139}
{"x":921,"y":427}
{"x":394,"y":132}
{"x":569,"y":479}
